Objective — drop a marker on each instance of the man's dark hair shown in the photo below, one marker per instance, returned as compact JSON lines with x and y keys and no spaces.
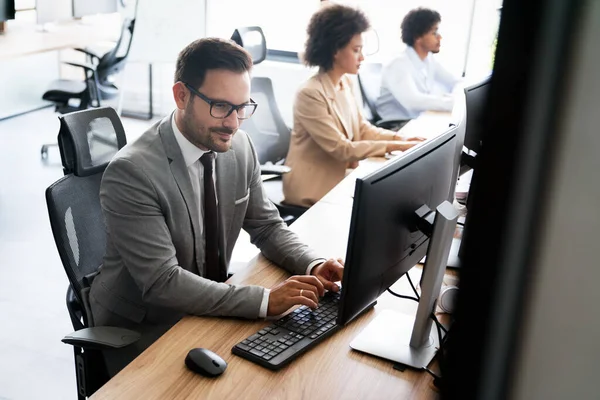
{"x":417,"y":23}
{"x":210,"y":53}
{"x":330,"y":29}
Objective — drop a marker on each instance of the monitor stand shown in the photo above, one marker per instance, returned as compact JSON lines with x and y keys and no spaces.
{"x":453,"y":258}
{"x":409,"y":340}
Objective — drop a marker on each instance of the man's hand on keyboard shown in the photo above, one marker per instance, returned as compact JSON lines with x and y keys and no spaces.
{"x":329,"y":272}
{"x":298,"y":289}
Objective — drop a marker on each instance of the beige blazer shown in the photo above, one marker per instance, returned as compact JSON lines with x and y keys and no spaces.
{"x":320,"y":146}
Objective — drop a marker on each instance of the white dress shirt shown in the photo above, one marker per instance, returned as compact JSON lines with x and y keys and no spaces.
{"x":191,"y":156}
{"x":410,"y":85}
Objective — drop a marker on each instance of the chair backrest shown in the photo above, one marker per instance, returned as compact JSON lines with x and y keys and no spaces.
{"x":266,"y":128}
{"x":87,"y":140}
{"x":114,"y":60}
{"x":369,"y":81}
{"x":252,"y":39}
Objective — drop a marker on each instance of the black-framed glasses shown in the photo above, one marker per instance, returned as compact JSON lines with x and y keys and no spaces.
{"x":223,"y":109}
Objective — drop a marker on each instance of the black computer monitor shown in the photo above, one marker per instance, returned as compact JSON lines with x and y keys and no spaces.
{"x":7,"y":10}
{"x":385,"y":239}
{"x":475,"y":98}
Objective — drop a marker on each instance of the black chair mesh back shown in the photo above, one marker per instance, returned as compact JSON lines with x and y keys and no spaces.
{"x":266,"y":128}
{"x":369,"y":80}
{"x":114,"y":60}
{"x":88,"y":140}
{"x":252,"y":39}
{"x":78,"y":226}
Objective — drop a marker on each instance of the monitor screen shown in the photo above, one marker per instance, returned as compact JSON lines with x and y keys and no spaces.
{"x":384,"y":242}
{"x":475,"y":98}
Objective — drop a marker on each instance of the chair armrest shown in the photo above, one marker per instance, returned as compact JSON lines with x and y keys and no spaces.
{"x":387,"y":123}
{"x":274,"y":169}
{"x":85,"y":66}
{"x":88,"y":52}
{"x":102,"y":337}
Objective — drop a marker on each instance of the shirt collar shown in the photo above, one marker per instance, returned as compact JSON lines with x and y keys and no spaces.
{"x":414,"y":57}
{"x":190,"y":152}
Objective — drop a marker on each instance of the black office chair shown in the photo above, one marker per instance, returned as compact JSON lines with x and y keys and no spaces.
{"x":99,"y":74}
{"x":87,"y":141}
{"x":271,"y":138}
{"x":252,"y":39}
{"x":369,"y":81}
{"x":98,"y":84}
{"x":266,"y":128}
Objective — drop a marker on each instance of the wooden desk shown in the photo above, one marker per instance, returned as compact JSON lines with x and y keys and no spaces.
{"x":331,"y":370}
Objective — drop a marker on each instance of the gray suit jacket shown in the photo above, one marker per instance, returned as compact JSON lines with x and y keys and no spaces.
{"x":153,"y":268}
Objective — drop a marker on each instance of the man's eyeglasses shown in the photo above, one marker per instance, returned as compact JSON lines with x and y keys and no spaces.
{"x":223,"y":109}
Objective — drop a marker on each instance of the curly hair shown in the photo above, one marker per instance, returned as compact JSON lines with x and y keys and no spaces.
{"x":330,"y":29}
{"x":210,"y":53}
{"x":417,"y":23}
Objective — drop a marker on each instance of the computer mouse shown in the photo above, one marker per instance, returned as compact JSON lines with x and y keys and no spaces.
{"x":205,"y":362}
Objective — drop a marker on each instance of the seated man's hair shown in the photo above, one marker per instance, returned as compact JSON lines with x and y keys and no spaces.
{"x":330,"y":29}
{"x":417,"y":23}
{"x":210,"y":53}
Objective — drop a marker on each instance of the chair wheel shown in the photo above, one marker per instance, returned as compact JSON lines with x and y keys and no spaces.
{"x":44,"y":152}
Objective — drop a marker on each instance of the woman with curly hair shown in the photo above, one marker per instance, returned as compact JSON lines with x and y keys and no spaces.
{"x":330,"y":134}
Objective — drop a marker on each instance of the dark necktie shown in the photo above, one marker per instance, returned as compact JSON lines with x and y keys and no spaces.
{"x":211,"y":223}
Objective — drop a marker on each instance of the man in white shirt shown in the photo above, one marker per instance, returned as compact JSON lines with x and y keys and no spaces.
{"x":415,"y":81}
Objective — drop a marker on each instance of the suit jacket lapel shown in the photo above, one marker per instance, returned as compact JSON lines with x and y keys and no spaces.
{"x":182,"y":178}
{"x":329,"y":90}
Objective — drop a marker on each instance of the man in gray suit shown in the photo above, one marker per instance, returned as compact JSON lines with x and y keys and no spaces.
{"x":170,"y":234}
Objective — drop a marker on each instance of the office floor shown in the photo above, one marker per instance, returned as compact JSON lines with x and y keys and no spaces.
{"x":34,"y":363}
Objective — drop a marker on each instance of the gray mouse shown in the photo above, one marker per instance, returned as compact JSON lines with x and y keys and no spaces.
{"x":205,"y":362}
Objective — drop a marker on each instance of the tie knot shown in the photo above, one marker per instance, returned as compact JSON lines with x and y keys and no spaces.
{"x":207,"y":159}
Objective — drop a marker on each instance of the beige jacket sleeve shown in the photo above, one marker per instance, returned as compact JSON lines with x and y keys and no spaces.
{"x":316,"y":115}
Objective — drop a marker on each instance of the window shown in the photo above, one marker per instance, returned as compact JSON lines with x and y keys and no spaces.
{"x":286,"y":31}
{"x":468,"y":29}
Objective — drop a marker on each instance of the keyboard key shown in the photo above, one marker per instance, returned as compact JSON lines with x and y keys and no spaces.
{"x":253,"y":337}
{"x":257,"y":353}
{"x":243,"y":347}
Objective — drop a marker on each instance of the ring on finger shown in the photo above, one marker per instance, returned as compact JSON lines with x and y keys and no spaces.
{"x":301,"y":291}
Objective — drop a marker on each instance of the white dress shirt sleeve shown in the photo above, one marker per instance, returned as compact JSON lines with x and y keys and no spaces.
{"x":313,"y":264}
{"x":399,"y":81}
{"x":264,"y":305}
{"x":445,"y":77}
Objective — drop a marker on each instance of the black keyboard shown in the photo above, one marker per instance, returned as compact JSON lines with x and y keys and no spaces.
{"x":278,"y":344}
